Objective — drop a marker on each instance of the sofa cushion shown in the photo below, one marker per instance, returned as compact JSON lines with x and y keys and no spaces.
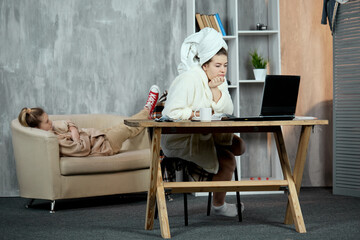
{"x":131,"y":160}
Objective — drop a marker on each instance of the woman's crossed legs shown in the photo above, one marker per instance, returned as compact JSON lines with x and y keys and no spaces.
{"x":227,"y":163}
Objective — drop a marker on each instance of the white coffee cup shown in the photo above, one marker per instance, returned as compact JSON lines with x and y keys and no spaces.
{"x":205,"y":114}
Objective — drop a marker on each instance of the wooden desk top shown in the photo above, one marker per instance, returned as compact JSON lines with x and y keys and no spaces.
{"x":187,"y":126}
{"x":221,"y":124}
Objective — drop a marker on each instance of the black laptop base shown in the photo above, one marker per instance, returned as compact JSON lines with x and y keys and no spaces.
{"x":258,"y":118}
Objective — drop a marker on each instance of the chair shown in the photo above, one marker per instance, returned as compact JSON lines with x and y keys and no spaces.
{"x":166,"y":160}
{"x":157,"y":114}
{"x":43,"y":174}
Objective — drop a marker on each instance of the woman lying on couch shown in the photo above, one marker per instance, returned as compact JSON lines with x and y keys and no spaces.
{"x":83,"y":142}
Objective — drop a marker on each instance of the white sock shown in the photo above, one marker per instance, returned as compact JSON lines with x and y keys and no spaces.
{"x":228,"y":210}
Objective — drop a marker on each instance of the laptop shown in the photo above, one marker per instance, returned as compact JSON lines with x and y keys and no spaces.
{"x":279,"y":99}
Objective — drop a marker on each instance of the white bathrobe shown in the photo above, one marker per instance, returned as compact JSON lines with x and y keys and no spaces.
{"x":190,"y":92}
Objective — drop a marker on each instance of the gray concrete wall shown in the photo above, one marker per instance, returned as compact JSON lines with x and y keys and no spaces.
{"x":82,"y":56}
{"x":101,"y":56}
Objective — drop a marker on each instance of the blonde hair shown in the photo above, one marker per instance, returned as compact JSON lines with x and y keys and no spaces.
{"x":30,"y":117}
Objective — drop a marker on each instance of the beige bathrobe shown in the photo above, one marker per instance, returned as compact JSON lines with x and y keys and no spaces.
{"x":92,"y":141}
{"x":189,"y":92}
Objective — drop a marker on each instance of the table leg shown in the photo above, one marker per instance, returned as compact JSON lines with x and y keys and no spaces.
{"x":299,"y":165}
{"x":151,"y":197}
{"x":161,"y":202}
{"x":293,"y":199}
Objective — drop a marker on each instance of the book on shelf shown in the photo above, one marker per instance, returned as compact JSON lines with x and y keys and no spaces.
{"x":208,"y":23}
{"x":220,"y":24}
{"x":204,"y":20}
{"x":211,"y":20}
{"x":214,"y":24}
{"x":199,"y":20}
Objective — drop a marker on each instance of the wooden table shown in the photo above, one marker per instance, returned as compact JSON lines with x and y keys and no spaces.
{"x":292,"y":181}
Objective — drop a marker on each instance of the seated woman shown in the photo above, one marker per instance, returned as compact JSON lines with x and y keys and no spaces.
{"x":202,"y":84}
{"x":83,"y":142}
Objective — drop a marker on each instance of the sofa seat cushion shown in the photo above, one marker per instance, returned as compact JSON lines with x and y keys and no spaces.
{"x":131,"y":160}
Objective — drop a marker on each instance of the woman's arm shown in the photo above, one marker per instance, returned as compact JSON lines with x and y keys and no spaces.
{"x":179,"y":103}
{"x":213,"y":84}
{"x":224,"y":103}
{"x":74,"y":133}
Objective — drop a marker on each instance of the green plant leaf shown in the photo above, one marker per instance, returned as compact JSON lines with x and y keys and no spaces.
{"x":257,"y":61}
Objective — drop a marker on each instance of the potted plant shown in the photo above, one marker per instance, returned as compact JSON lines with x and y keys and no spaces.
{"x":259,"y":64}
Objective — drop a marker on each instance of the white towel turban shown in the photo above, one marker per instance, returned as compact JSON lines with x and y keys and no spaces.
{"x":200,"y":47}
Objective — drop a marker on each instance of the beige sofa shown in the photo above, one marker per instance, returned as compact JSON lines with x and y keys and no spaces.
{"x":43,"y":174}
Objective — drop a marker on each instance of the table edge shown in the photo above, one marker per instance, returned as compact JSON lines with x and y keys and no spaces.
{"x":188,"y":123}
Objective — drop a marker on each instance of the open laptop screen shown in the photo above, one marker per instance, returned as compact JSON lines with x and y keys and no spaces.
{"x":280,"y":95}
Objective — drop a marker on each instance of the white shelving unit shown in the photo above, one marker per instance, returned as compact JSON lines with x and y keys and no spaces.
{"x":239,"y":18}
{"x":256,"y":32}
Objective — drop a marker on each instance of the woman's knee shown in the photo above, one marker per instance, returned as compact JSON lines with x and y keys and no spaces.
{"x":238,"y":146}
{"x":227,"y":160}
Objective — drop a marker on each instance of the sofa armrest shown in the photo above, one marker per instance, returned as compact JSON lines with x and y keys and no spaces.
{"x":37,"y":162}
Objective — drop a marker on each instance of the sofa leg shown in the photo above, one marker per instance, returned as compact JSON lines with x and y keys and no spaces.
{"x":52,"y":207}
{"x":29,"y":204}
